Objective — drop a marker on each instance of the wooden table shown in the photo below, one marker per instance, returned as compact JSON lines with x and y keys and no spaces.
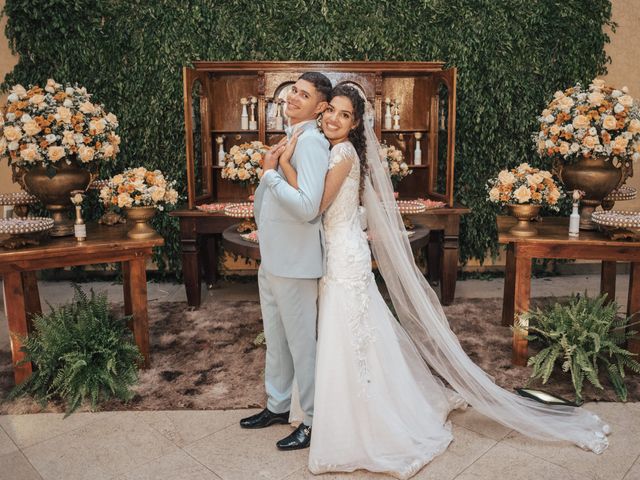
{"x":104,"y":244}
{"x":234,"y":243}
{"x":201,"y":237}
{"x":553,"y":241}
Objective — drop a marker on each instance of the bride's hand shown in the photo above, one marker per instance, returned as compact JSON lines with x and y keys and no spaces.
{"x":272,"y":156}
{"x":290,"y":147}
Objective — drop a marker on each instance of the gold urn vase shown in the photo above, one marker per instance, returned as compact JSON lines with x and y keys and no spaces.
{"x":55,"y":191}
{"x":524,"y":213}
{"x":597,"y":177}
{"x":139,"y":216}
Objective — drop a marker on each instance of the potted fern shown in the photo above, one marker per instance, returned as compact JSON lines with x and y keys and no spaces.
{"x":584,"y":336}
{"x":82,"y":352}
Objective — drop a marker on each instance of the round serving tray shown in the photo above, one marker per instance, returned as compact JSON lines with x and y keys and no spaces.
{"x":21,"y":226}
{"x":17,"y":198}
{"x":617,"y":219}
{"x":623,"y":193}
{"x":410,"y":206}
{"x":212,"y":207}
{"x":250,"y":237}
{"x":98,"y":184}
{"x":239,"y":210}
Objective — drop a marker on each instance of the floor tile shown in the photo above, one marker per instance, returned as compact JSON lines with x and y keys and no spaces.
{"x":473,"y":420}
{"x":634,"y":471}
{"x":466,"y":448}
{"x":611,"y":465}
{"x":14,"y":466}
{"x":27,"y":430}
{"x":109,"y":446}
{"x":174,"y":466}
{"x":238,"y":454}
{"x":187,"y":426}
{"x":6,"y":444}
{"x":503,"y":461}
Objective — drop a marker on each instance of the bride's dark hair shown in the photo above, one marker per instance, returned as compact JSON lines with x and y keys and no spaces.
{"x":356,"y":135}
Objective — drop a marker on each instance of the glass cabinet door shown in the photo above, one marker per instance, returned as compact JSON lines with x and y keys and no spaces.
{"x":443,"y":129}
{"x":197,"y":138}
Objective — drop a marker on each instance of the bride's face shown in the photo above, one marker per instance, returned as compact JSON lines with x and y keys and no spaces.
{"x":338,"y":119}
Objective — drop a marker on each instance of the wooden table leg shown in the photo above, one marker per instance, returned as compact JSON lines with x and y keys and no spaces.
{"x":209,"y":255}
{"x":450,"y":247}
{"x":135,"y":289}
{"x":633,"y":305}
{"x":608,"y":280}
{"x":434,"y":249}
{"x":190,"y":260}
{"x":31,"y":297}
{"x":508,"y":299}
{"x":15,"y":308}
{"x":522,"y":292}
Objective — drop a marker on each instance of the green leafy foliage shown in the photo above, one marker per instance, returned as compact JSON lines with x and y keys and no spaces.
{"x":81,"y":352}
{"x":511,"y":56}
{"x":583,"y":336}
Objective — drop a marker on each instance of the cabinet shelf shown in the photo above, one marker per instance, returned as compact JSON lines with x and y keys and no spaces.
{"x":234,"y":131}
{"x":405,"y":130}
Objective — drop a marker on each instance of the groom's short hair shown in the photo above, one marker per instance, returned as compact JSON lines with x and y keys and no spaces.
{"x":320,"y":81}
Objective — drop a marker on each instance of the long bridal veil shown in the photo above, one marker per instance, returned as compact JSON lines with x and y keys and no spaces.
{"x":421,"y":316}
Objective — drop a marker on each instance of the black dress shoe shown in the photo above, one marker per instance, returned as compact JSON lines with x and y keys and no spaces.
{"x":300,"y":438}
{"x":264,"y":419}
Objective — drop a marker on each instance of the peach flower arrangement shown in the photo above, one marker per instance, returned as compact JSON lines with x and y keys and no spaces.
{"x":525,"y":185}
{"x":44,"y":126}
{"x":600,"y":121}
{"x":243,"y":163}
{"x":139,"y":187}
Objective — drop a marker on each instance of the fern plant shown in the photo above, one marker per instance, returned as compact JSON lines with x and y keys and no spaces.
{"x":81,"y":352}
{"x":585,"y":335}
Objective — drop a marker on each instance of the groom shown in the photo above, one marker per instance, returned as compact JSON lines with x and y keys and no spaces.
{"x":292,"y":261}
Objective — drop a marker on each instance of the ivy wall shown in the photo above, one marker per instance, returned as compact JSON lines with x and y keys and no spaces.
{"x":511,"y":56}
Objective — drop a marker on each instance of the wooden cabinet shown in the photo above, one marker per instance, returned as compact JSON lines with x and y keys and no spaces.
{"x":425,"y":91}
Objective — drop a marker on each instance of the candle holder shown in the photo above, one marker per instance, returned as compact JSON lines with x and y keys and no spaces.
{"x":244,"y":117}
{"x":253,"y":124}
{"x":396,"y":115}
{"x":79,"y":228}
{"x":387,"y":115}
{"x":417,"y":153}
{"x":221,"y":152}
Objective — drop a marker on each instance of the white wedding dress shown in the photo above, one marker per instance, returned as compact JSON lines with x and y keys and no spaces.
{"x":377,"y":405}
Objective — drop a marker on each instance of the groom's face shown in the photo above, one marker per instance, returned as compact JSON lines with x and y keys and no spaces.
{"x":304,"y":102}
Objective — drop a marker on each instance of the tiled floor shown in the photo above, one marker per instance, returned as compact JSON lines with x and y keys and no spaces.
{"x":207,"y":445}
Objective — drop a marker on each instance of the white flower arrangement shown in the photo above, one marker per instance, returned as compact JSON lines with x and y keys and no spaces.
{"x":43,"y":126}
{"x":139,"y":187}
{"x":243,"y":163}
{"x":393,"y":162}
{"x":601,"y":121}
{"x":525,"y":184}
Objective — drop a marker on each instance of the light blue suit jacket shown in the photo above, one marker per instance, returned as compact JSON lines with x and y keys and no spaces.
{"x":289,"y":227}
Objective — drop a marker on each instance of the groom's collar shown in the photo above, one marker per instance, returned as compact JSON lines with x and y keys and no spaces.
{"x":289,"y":129}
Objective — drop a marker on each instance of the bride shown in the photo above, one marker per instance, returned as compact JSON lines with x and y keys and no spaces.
{"x":377,"y":405}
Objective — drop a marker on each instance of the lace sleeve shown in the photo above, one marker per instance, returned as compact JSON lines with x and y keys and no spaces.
{"x":339,"y":154}
{"x":341,"y":165}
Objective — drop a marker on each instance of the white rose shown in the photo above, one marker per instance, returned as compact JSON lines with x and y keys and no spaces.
{"x":593,"y":131}
{"x":616,"y":93}
{"x":69,"y":90}
{"x":25,"y":118}
{"x":11,"y":117}
{"x":12,"y":98}
{"x":618,"y":108}
{"x":574,"y":147}
{"x":85,"y":153}
{"x":30,"y":154}
{"x":506,"y":177}
{"x":55,"y":153}
{"x":63,"y":114}
{"x":68,"y":103}
{"x":87,"y":107}
{"x":36,"y":99}
{"x":51,"y":138}
{"x":14,"y":146}
{"x":626,"y":100}
{"x":19,"y":90}
{"x":31,"y":128}
{"x":78,"y":138}
{"x":522,"y":194}
{"x":596,"y":98}
{"x":494,"y":194}
{"x":597,"y":83}
{"x":535,"y":178}
{"x":549,"y":119}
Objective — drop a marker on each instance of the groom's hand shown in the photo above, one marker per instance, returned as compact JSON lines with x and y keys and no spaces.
{"x":272,"y":156}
